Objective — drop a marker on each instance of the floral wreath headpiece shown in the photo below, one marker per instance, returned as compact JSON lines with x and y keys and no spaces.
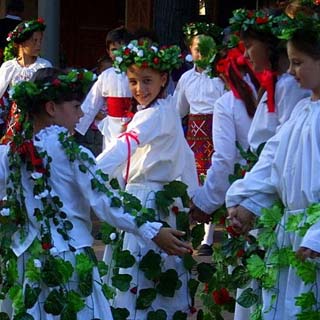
{"x":23,"y":28}
{"x":26,"y":91}
{"x":144,"y":55}
{"x":257,"y":20}
{"x":193,"y":29}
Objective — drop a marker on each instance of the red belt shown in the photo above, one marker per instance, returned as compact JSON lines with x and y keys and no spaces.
{"x":118,"y":106}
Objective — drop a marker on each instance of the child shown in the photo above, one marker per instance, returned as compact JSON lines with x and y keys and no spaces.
{"x":196,"y":94}
{"x":286,"y":170}
{"x":151,"y":153}
{"x":21,"y":61}
{"x":110,"y":90}
{"x":47,"y":190}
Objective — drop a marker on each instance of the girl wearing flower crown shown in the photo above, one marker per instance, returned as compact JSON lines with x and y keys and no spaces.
{"x":196,"y":94}
{"x":21,"y":61}
{"x":49,"y":185}
{"x":279,"y":90}
{"x":151,"y":153}
{"x":286,"y":171}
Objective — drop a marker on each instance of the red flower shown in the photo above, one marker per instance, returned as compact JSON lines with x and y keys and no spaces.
{"x":221,"y":296}
{"x":175,"y":210}
{"x":56,"y":82}
{"x":46,"y":246}
{"x":144,"y":64}
{"x":192,"y":309}
{"x":222,"y":220}
{"x":243,"y":172}
{"x":156,"y":60}
{"x":126,"y":51}
{"x":217,"y":297}
{"x":232,"y":232}
{"x":262,"y":20}
{"x":40,"y":20}
{"x":240,"y":253}
{"x":206,"y":288}
{"x":250,"y":14}
{"x":316,"y":2}
{"x":134,"y":290}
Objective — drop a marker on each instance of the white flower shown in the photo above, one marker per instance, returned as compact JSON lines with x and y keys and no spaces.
{"x":37,"y":263}
{"x":41,"y":195}
{"x":135,"y":49}
{"x":119,"y":59}
{"x":5,"y":212}
{"x":26,"y":25}
{"x":8,"y":39}
{"x":140,"y":53}
{"x":11,"y":92}
{"x":53,"y":250}
{"x":189,"y":58}
{"x":155,"y":49}
{"x":130,"y":46}
{"x":113,"y":236}
{"x":36,"y":175}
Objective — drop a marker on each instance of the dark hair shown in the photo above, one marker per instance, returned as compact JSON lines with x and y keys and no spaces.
{"x":145,"y":33}
{"x":15,"y":6}
{"x":48,"y":75}
{"x":120,"y":34}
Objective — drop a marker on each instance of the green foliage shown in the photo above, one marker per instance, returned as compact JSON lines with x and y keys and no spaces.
{"x":125,"y":259}
{"x":150,"y":264}
{"x":168,"y":283}
{"x":197,"y":234}
{"x":145,"y":298}
{"x":205,"y":271}
{"x":248,"y":298}
{"x":120,"y":313}
{"x":157,"y":315}
{"x":121,"y":281}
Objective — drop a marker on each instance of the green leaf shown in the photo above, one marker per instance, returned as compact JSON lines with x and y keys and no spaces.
{"x":157,"y":315}
{"x":313,"y":213}
{"x":267,"y":237}
{"x":74,"y":302}
{"x":193,"y":285}
{"x":271,"y":217}
{"x":247,"y":298}
{"x":106,"y":230}
{"x":150,"y":264}
{"x":269,"y":279}
{"x":306,"y":270}
{"x":308,"y":315}
{"x":83,"y":168}
{"x":116,"y":202}
{"x":108,"y":291}
{"x":168,"y":283}
{"x":68,"y":314}
{"x":175,"y":189}
{"x":103,"y":268}
{"x":294,"y":222}
{"x":179,"y":315}
{"x":4,"y":316}
{"x":121,"y":281}
{"x":145,"y":298}
{"x":188,"y":261}
{"x":55,"y":302}
{"x":182,"y":222}
{"x":205,"y":271}
{"x":32,"y":272}
{"x":197,"y":234}
{"x":114,"y":184}
{"x":125,"y":259}
{"x":257,"y":313}
{"x":23,"y":316}
{"x":163,"y":201}
{"x":306,"y":300}
{"x":120,"y":313}
{"x":31,"y":295}
{"x":240,"y":276}
{"x":16,"y":295}
{"x":84,"y":265}
{"x":256,"y":266}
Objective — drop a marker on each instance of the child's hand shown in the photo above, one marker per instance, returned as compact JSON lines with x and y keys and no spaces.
{"x":241,"y":219}
{"x":304,"y":253}
{"x":197,"y":215}
{"x":167,"y":239}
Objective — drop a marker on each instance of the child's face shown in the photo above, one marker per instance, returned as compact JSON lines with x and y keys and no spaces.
{"x":258,"y":54}
{"x":112,"y":47}
{"x":145,"y":83}
{"x":304,"y":68}
{"x":194,"y":49}
{"x":68,"y":114}
{"x":32,"y":46}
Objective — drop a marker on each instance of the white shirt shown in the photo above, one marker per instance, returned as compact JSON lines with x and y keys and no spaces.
{"x":109,"y":84}
{"x":74,"y":189}
{"x":162,"y":154}
{"x":287,"y":169}
{"x":265,"y":124}
{"x":231,"y":123}
{"x":11,"y":72}
{"x":196,"y":93}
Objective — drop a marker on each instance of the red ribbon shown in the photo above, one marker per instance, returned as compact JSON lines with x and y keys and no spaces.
{"x":133,"y":135}
{"x":118,"y":106}
{"x":267,"y":81}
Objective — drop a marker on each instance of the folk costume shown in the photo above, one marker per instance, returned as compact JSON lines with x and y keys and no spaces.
{"x":151,"y":153}
{"x":52,"y":244}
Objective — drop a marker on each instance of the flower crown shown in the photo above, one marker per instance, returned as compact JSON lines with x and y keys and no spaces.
{"x":257,"y":20}
{"x":23,"y":28}
{"x":193,"y":29}
{"x":74,"y":81}
{"x":144,"y":55}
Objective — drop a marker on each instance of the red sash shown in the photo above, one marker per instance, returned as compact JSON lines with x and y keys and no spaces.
{"x":118,"y":106}
{"x":199,"y":137}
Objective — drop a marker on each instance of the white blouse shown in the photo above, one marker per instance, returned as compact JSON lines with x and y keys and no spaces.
{"x":159,"y":154}
{"x":74,"y":189}
{"x":265,"y":124}
{"x":109,"y":84}
{"x":196,"y":93}
{"x":287,"y":169}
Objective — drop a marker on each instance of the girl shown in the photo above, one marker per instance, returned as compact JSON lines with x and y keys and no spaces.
{"x":280,"y":91}
{"x":196,"y":94}
{"x":21,"y":61}
{"x":151,"y":152}
{"x":111,"y":92}
{"x":286,"y":171}
{"x":48,"y":187}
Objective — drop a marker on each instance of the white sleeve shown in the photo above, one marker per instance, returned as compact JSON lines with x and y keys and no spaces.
{"x":92,"y":104}
{"x":211,"y":195}
{"x":311,"y":239}
{"x":6,"y":74}
{"x":182,"y":105}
